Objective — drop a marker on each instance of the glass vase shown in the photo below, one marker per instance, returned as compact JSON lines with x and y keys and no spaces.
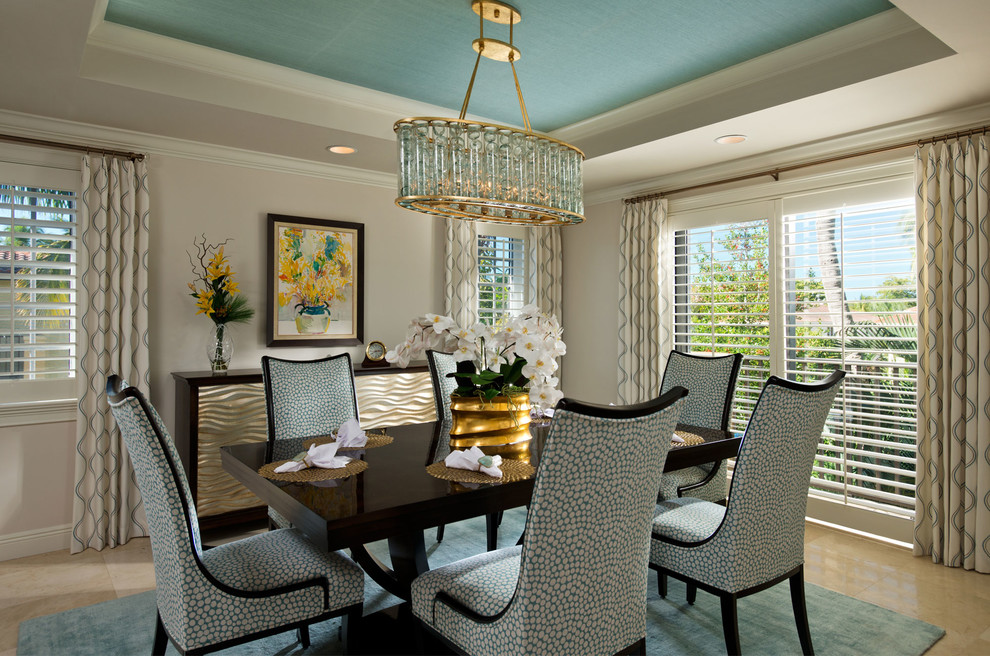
{"x":219,"y":348}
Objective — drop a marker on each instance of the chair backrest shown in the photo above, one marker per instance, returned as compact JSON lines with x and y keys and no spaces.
{"x":442,"y":364}
{"x":582,"y":577}
{"x":306,"y":398}
{"x":710,"y":382}
{"x":764,"y":518}
{"x":172,"y":522}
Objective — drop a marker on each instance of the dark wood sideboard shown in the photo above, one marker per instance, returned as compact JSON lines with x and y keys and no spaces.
{"x":213,"y":411}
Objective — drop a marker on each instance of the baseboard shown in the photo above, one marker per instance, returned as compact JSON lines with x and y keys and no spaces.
{"x":32,"y":543}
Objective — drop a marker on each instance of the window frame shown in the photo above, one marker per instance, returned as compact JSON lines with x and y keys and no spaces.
{"x":770,"y":198}
{"x":28,"y":402}
{"x":502,"y":232}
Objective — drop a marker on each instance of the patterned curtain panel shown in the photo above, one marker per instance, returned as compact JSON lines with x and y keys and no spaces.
{"x":645,"y":306}
{"x":112,"y":338}
{"x":952,"y":521}
{"x":545,"y":268}
{"x":460,"y":273}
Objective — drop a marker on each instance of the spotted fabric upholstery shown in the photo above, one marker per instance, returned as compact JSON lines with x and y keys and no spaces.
{"x":442,"y":364}
{"x":306,"y":398}
{"x":709,"y":381}
{"x":485,"y":582}
{"x":693,"y":521}
{"x":196,"y":607}
{"x":715,"y":490}
{"x":761,"y":537}
{"x":579,"y":585}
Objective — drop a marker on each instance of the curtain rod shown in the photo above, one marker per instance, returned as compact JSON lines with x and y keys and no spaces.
{"x":68,"y":146}
{"x":775,"y":173}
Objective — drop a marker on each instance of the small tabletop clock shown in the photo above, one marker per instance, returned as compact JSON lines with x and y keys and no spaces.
{"x":374,"y":355}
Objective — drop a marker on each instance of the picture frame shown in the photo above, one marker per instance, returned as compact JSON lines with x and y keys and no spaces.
{"x":315,"y":282}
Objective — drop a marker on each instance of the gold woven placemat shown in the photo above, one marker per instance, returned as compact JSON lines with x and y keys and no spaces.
{"x":690,"y":439}
{"x":512,"y":470}
{"x":312,"y":473}
{"x":374,"y":440}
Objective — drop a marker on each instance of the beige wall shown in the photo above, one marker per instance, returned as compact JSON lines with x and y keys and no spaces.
{"x":591,"y":305}
{"x":403,"y":258}
{"x":37,"y":472}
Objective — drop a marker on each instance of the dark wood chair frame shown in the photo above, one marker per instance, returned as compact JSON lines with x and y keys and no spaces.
{"x":726,"y":412}
{"x":730,"y":618}
{"x":637,"y":648}
{"x":116,"y":392}
{"x":266,"y":377}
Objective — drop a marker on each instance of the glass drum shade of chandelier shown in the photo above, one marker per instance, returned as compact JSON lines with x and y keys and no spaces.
{"x":453,"y":167}
{"x":486,"y":172}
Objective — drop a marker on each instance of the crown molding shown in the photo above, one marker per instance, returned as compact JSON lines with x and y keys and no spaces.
{"x":39,"y":127}
{"x":919,"y":128}
{"x":133,"y":58}
{"x":862,"y":50}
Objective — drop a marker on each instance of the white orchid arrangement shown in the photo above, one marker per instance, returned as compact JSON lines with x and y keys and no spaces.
{"x":518,"y":355}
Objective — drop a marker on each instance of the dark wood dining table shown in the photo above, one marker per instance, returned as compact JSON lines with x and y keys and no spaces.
{"x":396,"y":499}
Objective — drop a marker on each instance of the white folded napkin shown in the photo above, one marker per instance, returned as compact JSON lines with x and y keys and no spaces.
{"x":351,"y":435}
{"x":475,"y":459}
{"x":677,"y":438}
{"x":323,"y":456}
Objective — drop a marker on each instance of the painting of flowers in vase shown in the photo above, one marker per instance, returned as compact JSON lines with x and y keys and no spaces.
{"x":315,"y":284}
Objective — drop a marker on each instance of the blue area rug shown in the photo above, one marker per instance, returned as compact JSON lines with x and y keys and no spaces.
{"x":840,"y":625}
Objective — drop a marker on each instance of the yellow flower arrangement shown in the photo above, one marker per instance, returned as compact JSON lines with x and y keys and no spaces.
{"x":314,"y":269}
{"x":217,"y":297}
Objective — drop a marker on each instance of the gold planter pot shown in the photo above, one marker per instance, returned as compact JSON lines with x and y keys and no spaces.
{"x":499,"y":426}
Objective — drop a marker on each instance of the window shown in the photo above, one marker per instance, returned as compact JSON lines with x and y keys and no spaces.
{"x":37,"y":283}
{"x":851,"y":302}
{"x":501,"y":277}
{"x":722,"y":302}
{"x":802,"y":284}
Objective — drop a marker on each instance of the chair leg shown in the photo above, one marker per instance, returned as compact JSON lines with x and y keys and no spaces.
{"x":492,"y":520}
{"x":801,"y":612}
{"x":440,"y":533}
{"x":161,"y":638}
{"x":349,"y":630}
{"x":730,"y":624}
{"x":692,"y":593}
{"x":304,"y":636}
{"x":662,"y":585}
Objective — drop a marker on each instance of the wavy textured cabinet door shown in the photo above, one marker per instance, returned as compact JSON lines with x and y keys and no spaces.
{"x":214,"y":411}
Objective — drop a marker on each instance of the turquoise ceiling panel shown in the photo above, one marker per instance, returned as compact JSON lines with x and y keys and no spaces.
{"x":580,"y":58}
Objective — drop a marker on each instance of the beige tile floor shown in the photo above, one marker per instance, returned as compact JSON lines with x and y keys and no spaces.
{"x":860,"y":567}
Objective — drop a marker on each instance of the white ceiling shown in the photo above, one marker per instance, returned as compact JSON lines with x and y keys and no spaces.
{"x":71,"y":65}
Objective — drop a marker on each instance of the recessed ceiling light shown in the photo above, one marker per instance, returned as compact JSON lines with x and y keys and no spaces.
{"x":341,"y":150}
{"x":731,"y":139}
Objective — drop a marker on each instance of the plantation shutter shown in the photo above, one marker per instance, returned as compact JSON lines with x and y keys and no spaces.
{"x":501,"y":276}
{"x":722,"y":302}
{"x":850,"y":301}
{"x":37,"y":283}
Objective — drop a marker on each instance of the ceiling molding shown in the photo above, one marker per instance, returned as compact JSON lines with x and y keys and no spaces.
{"x":890,"y":134}
{"x":128,"y":57}
{"x":851,"y":54}
{"x":38,"y":127}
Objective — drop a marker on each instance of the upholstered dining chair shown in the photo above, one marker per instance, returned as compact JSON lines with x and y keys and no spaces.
{"x":440,"y":365}
{"x":711,"y":383}
{"x":305,"y":398}
{"x":577,"y":583}
{"x":757,"y":539}
{"x":236,"y":592}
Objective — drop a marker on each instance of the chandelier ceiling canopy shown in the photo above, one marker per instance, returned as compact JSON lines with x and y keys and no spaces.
{"x":454,"y":167}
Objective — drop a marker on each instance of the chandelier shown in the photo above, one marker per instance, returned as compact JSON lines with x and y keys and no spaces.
{"x":453,"y":167}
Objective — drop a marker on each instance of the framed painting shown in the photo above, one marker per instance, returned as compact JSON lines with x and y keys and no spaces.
{"x":315,"y":282}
